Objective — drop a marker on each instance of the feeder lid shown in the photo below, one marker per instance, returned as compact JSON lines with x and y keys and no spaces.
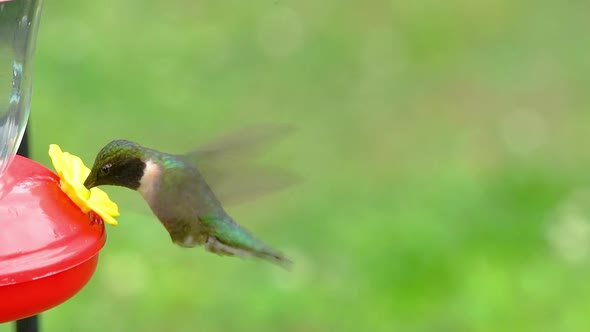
{"x":42,"y":232}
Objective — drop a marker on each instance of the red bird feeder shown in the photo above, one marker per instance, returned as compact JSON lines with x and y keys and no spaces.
{"x":48,"y":246}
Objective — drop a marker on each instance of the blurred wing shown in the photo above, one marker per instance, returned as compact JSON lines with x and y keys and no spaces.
{"x":242,"y":144}
{"x":227,"y":164}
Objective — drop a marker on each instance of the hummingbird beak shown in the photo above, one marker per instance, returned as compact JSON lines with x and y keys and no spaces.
{"x":90,"y":181}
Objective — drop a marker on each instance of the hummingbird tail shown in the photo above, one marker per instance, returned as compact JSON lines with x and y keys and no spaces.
{"x":233,"y":240}
{"x":276,"y":257}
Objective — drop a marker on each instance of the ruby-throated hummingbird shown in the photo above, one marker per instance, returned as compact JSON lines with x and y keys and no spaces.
{"x":179,"y":195}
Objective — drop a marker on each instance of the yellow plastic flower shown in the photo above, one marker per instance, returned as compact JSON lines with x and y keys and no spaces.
{"x":73,"y":173}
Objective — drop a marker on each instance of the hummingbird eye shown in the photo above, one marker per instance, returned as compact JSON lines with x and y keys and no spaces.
{"x":105,"y":169}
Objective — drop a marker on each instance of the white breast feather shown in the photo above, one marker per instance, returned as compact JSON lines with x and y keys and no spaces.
{"x":149,"y":179}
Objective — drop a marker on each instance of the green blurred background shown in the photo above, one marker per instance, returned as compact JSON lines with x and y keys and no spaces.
{"x":443,"y":146}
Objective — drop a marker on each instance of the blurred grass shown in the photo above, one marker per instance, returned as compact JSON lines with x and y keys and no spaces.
{"x":442,"y":145}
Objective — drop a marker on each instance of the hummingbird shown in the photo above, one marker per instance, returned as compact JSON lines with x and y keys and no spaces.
{"x":180,"y":197}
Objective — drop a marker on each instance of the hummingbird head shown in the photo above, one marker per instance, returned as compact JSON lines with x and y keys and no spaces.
{"x":119,"y":163}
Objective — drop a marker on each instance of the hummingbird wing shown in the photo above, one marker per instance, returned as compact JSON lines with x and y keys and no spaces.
{"x":228,"y":164}
{"x":244,"y":143}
